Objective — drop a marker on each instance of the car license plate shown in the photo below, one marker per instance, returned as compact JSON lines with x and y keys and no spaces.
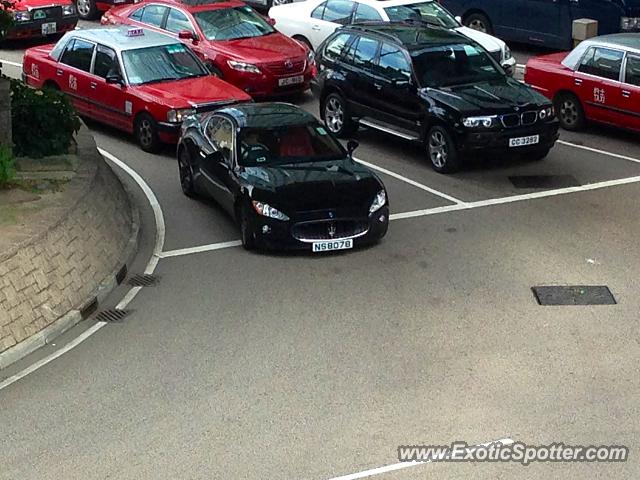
{"x":49,"y":28}
{"x":524,"y":141}
{"x":291,"y":80}
{"x":331,"y":245}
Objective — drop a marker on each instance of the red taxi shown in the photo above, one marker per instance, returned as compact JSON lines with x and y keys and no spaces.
{"x":598,"y":81}
{"x":41,"y":18}
{"x":235,"y":42}
{"x":137,"y":80}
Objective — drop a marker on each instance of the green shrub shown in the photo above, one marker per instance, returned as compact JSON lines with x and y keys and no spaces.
{"x":43,"y":121}
{"x":7,"y":166}
{"x":6,"y":19}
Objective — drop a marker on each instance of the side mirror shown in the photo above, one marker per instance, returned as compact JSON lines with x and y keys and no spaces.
{"x":187,"y":35}
{"x":271,"y":21}
{"x":351,"y":146}
{"x":114,"y":79}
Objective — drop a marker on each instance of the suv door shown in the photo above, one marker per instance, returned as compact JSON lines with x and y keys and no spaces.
{"x":217,"y":170}
{"x":74,"y":77}
{"x":361,"y":76}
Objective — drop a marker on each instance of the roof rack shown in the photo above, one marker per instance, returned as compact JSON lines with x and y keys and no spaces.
{"x":367,"y":26}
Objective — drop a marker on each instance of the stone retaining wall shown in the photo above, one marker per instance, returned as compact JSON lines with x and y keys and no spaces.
{"x":58,"y":269}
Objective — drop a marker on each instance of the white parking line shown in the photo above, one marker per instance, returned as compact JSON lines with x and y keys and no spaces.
{"x":402,"y":465}
{"x":151,"y":266}
{"x":202,"y":248}
{"x":411,"y":182}
{"x":596,"y":150}
{"x":9,"y":62}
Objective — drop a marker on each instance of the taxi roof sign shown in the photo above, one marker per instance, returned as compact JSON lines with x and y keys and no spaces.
{"x":135,"y":32}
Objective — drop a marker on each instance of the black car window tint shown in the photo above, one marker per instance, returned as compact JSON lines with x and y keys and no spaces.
{"x":336,"y":46}
{"x":602,"y":62}
{"x":365,"y":52}
{"x":78,"y":54}
{"x":137,"y":15}
{"x":105,"y":62}
{"x":177,"y":22}
{"x":318,"y":11}
{"x":338,"y":11}
{"x":366,"y":13}
{"x":153,"y":15}
{"x":632,"y":74}
{"x":220,"y":133}
{"x":393,"y":64}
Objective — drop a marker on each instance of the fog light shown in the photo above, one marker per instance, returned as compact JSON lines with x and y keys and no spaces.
{"x":266,"y":229}
{"x":382,"y":218}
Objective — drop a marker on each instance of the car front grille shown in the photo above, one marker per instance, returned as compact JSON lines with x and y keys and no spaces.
{"x":512,"y":120}
{"x":50,"y":13}
{"x":329,"y":230}
{"x":288,"y":67}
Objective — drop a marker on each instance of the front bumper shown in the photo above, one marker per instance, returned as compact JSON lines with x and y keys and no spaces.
{"x":169,"y":132}
{"x":282,"y":235}
{"x":266,"y":84}
{"x":497,"y":141}
{"x":33,"y":29}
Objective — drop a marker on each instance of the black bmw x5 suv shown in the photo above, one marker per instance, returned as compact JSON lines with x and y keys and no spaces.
{"x":430,"y":85}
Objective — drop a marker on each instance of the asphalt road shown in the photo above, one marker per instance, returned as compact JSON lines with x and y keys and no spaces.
{"x":274,"y":366}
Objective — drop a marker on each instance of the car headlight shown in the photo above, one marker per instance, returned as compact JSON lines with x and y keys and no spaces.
{"x":178,"y":116}
{"x":546,"y":113}
{"x":267,"y":210}
{"x":311,"y":57}
{"x":506,"y":54}
{"x":68,"y":10}
{"x":477,"y":122}
{"x":22,"y":16}
{"x":629,"y":23}
{"x":378,"y":202}
{"x":243,"y":67}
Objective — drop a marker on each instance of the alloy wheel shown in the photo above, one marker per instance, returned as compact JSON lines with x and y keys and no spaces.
{"x":145,"y":133}
{"x":438,"y":149}
{"x":569,"y":112}
{"x":334,"y":115}
{"x":186,"y":175}
{"x":84,"y":7}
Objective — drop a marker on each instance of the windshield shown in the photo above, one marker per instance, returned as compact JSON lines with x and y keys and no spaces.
{"x":263,"y":147}
{"x":159,"y":64}
{"x":454,"y":65}
{"x":232,"y":23}
{"x":429,"y":12}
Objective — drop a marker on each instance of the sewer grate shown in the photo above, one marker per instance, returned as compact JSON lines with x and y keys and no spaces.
{"x":544,"y":181}
{"x":143,"y":280}
{"x":574,"y":295}
{"x":112,"y":316}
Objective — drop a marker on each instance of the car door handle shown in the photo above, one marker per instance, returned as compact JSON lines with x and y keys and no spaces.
{"x":59,"y":72}
{"x":315,"y":27}
{"x":378,"y":86}
{"x":626,"y":93}
{"x":577,"y":81}
{"x":93,"y":85}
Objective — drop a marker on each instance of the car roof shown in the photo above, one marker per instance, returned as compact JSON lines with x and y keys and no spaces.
{"x":257,"y":115}
{"x":413,"y":35}
{"x":118,"y":38}
{"x":629,"y":41}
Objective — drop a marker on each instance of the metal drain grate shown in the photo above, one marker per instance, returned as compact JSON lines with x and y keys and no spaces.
{"x":112,"y":316}
{"x":574,"y":295}
{"x":143,"y":280}
{"x":544,"y":181}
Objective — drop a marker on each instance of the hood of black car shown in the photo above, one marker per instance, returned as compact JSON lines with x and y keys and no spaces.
{"x":313,"y":186}
{"x":488,"y":98}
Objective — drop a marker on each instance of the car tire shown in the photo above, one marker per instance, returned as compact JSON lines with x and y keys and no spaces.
{"x":537,"y":155}
{"x":87,"y":9}
{"x":479,"y":21}
{"x":247,"y":236}
{"x":146,"y":133}
{"x":442,"y":151}
{"x":186,"y":174}
{"x":336,"y":116}
{"x":569,"y":111}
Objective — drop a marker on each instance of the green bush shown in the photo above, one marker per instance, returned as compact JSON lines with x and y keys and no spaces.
{"x":7,"y":166}
{"x":6,"y":19}
{"x":43,"y":121}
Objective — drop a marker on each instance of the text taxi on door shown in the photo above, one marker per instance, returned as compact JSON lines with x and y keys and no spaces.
{"x":137,"y":80}
{"x":598,"y":81}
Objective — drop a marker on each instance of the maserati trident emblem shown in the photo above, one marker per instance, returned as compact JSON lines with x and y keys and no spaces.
{"x":288,"y":64}
{"x":332,"y":230}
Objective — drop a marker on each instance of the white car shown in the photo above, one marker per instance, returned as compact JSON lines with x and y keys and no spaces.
{"x":312,"y":21}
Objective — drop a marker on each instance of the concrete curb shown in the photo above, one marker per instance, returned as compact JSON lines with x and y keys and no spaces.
{"x":90,"y":305}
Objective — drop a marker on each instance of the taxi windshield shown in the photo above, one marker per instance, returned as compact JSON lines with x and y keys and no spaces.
{"x":160,"y":64}
{"x":450,"y":65}
{"x":291,"y":144}
{"x":232,"y":23}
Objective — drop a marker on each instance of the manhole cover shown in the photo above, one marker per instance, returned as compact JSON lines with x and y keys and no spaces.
{"x":544,"y":181}
{"x":143,"y":280}
{"x":112,"y":316}
{"x":574,"y":295}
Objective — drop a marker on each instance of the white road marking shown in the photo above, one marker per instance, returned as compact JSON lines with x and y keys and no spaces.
{"x":202,"y":248}
{"x":9,"y":62}
{"x":411,"y":182}
{"x":151,"y":266}
{"x":402,"y":465}
{"x":596,"y":150}
{"x":515,"y":198}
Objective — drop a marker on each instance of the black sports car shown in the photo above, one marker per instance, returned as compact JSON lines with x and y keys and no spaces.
{"x":286,"y":180}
